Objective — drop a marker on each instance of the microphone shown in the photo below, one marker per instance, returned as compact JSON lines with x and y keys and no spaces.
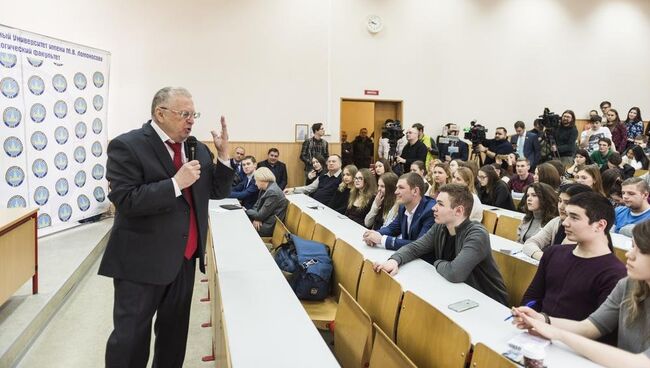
{"x":190,"y":148}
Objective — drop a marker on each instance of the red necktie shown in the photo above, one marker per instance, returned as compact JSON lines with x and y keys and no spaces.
{"x":192,"y":236}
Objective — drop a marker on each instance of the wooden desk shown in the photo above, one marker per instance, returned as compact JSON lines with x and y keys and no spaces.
{"x":257,"y":318}
{"x":484,"y":323}
{"x":18,"y":250}
{"x":503,"y":211}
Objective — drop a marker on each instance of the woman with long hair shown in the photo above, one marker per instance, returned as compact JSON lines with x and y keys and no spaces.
{"x":547,"y":173}
{"x":339,"y":201}
{"x":540,"y":208}
{"x":590,"y":176}
{"x":382,"y":166}
{"x":626,"y":309}
{"x":419,"y":168}
{"x":361,"y":196}
{"x":454,"y":165}
{"x":581,"y":158}
{"x":618,"y":129}
{"x":465,"y":176}
{"x":635,"y":157}
{"x":634,"y":125}
{"x":493,"y":191}
{"x":384,"y":208}
{"x":318,"y":164}
{"x":612,"y":180}
{"x":441,"y":175}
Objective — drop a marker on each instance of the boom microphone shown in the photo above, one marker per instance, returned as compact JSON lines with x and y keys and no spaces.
{"x":190,"y":148}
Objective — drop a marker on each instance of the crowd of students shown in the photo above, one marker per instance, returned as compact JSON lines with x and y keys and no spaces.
{"x":423,"y":202}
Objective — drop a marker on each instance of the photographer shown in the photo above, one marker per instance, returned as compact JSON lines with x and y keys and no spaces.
{"x":450,"y":146}
{"x":391,"y":133}
{"x":565,"y":138}
{"x":497,"y":146}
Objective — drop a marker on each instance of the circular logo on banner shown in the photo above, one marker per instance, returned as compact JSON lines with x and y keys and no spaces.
{"x":97,"y":126}
{"x":38,"y":140}
{"x":59,"y":83}
{"x":62,"y":187}
{"x":80,"y":106}
{"x":10,"y":60}
{"x":41,"y":195}
{"x":80,"y":130}
{"x":12,"y":116}
{"x":39,"y":168}
{"x":60,"y":109}
{"x":37,"y":112}
{"x":99,"y":194}
{"x":65,"y":212}
{"x":83,"y":202}
{"x":80,"y":154}
{"x":9,"y":87}
{"x":44,"y":220}
{"x":98,"y":102}
{"x":96,"y":149}
{"x":98,"y":79}
{"x":36,"y":85}
{"x":61,"y":134}
{"x":80,"y":81}
{"x":14,"y":176}
{"x":16,"y":201}
{"x":61,"y":161}
{"x":35,"y":62}
{"x":98,"y":172}
{"x":14,"y":147}
{"x":80,"y":179}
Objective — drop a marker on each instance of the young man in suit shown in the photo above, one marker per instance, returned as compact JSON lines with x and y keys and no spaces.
{"x":414,"y":217}
{"x":460,"y":248}
{"x":246,"y":191}
{"x":160,"y":229}
{"x":526,"y":144}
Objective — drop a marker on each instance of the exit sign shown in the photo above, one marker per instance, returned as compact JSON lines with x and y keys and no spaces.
{"x":371,"y":92}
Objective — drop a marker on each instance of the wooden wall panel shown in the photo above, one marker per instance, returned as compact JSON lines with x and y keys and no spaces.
{"x":289,"y":154}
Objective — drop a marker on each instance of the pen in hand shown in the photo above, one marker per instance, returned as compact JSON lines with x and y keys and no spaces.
{"x":530,"y":304}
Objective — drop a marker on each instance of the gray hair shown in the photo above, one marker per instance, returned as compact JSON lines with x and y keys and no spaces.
{"x":264,"y":174}
{"x":164,"y":94}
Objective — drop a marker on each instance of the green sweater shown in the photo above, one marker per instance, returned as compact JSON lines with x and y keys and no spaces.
{"x":599,"y":159}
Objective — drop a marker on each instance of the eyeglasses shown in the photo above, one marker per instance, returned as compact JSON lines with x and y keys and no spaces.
{"x":358,"y":179}
{"x":183,"y":114}
{"x":482,"y":177}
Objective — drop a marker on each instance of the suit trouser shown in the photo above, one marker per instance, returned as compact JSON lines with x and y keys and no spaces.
{"x":134,"y":307}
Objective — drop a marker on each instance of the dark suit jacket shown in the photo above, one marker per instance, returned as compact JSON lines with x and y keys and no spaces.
{"x":420,"y":224}
{"x":247,"y":194}
{"x":270,"y":203}
{"x":532,"y":150}
{"x":279,"y":170}
{"x":147,"y":242}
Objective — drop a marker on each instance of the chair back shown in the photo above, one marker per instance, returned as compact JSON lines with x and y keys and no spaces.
{"x":428,"y":337}
{"x":292,"y":218}
{"x":489,"y":220}
{"x":352,"y":332}
{"x":385,"y":354}
{"x":381,"y":296}
{"x":488,"y":358}
{"x":323,"y":235}
{"x":347,"y":267}
{"x":280,"y":233}
{"x":517,"y":275}
{"x":306,"y":226}
{"x":507,"y":227}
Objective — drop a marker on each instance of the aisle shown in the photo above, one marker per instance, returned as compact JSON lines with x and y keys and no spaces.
{"x":77,"y":334}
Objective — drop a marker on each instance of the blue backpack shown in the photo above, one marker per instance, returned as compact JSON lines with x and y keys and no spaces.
{"x":310,"y":266}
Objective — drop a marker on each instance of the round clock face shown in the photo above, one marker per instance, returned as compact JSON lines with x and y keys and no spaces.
{"x":374,"y":24}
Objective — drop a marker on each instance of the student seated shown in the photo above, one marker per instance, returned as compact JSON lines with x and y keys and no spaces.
{"x":460,"y":248}
{"x":440,"y":175}
{"x":270,"y":203}
{"x":362,"y":195}
{"x":600,"y":156}
{"x":540,"y":208}
{"x":553,"y":232}
{"x":417,"y":167}
{"x":464,"y":176}
{"x":339,"y":201}
{"x":277,"y":167}
{"x":636,"y":209}
{"x":246,"y":191}
{"x":626,"y":309}
{"x":590,"y":176}
{"x":414,"y":217}
{"x":548,"y":174}
{"x":572,"y":281}
{"x":614,"y":161}
{"x":384,"y":208}
{"x":522,"y":177}
{"x":581,"y":160}
{"x":322,"y":189}
{"x":492,"y":191}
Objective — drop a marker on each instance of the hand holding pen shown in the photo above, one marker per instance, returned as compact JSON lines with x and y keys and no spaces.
{"x":530,"y":304}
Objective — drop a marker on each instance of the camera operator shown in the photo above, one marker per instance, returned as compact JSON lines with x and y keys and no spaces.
{"x":450,"y":146}
{"x":497,"y":146}
{"x":565,"y":138}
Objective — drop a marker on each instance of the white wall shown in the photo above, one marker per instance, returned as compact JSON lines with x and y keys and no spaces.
{"x":268,"y":65}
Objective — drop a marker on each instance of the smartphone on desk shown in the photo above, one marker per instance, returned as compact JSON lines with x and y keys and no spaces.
{"x":463,"y":305}
{"x":231,"y":206}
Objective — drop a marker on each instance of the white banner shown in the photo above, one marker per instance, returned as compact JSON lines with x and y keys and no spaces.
{"x":53,"y":100}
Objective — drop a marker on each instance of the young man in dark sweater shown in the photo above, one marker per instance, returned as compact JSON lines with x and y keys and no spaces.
{"x":461,"y":247}
{"x":572,"y":281}
{"x":414,"y":150}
